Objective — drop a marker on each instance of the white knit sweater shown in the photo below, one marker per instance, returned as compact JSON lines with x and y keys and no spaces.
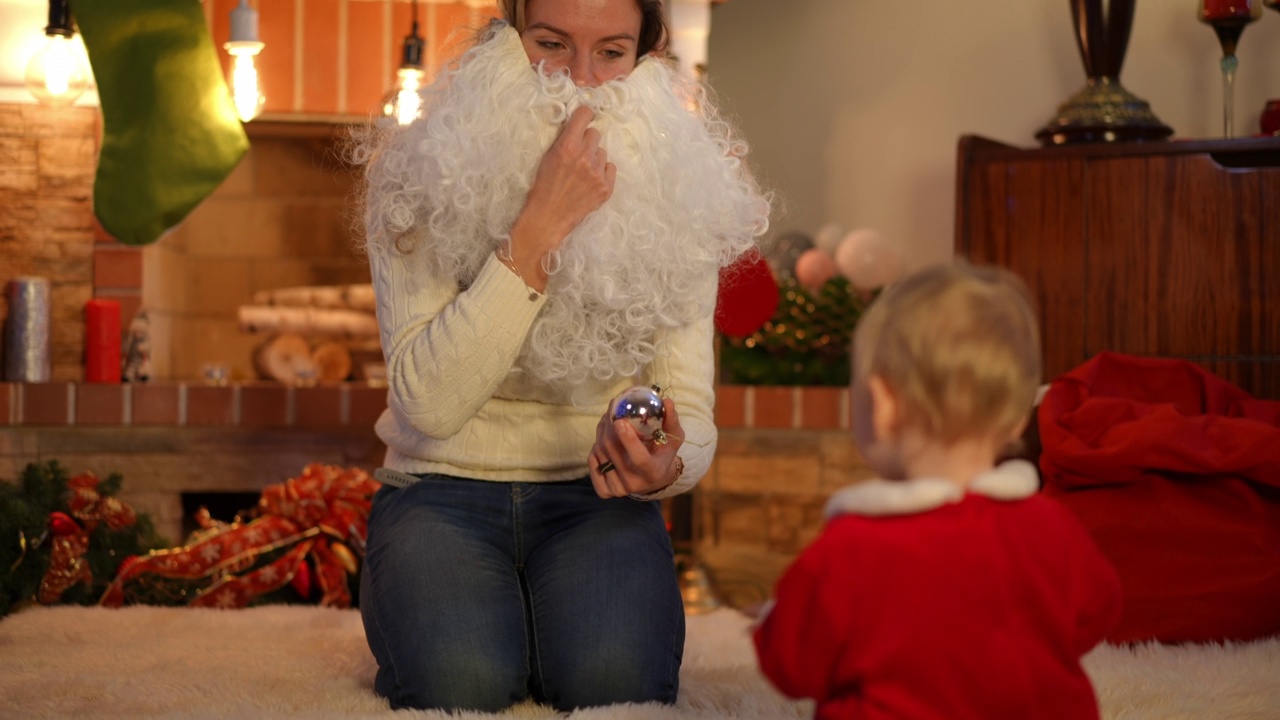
{"x":456,"y":407}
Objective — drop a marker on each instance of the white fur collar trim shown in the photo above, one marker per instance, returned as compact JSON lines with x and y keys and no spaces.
{"x":1012,"y":480}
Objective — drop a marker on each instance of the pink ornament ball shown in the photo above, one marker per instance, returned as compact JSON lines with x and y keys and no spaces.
{"x":814,"y":268}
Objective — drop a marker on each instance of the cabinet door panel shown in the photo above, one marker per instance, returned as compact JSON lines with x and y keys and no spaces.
{"x":1259,"y":377}
{"x":1182,"y":258}
{"x":1026,"y":216}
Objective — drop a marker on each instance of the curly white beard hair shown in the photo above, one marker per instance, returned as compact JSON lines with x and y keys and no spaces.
{"x":451,"y":184}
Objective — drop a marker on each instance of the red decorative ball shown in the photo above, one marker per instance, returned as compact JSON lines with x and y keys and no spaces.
{"x":1271,"y":114}
{"x":748,"y":296}
{"x":61,"y":524}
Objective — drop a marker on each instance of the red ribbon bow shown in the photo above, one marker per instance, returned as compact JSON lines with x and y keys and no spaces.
{"x":313,"y":515}
{"x":71,"y":539}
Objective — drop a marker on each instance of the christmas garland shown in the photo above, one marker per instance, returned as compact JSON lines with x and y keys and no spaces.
{"x":69,"y":540}
{"x":806,"y":342}
{"x":62,"y":538}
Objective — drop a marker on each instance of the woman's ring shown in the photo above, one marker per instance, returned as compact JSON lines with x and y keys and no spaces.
{"x":604,"y":467}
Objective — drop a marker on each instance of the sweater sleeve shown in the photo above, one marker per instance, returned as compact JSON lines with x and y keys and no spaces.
{"x":447,"y":351}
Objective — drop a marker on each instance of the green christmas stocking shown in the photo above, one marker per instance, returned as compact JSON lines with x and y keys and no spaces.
{"x":170,"y":131}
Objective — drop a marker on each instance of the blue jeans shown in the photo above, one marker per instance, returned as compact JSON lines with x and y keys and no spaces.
{"x":477,"y":595}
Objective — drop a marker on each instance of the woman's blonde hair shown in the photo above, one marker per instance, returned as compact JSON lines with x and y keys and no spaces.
{"x":958,"y":345}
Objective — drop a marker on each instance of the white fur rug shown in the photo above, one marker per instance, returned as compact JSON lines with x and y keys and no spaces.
{"x":277,"y":661}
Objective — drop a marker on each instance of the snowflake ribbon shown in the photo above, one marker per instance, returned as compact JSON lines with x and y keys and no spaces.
{"x":313,"y":515}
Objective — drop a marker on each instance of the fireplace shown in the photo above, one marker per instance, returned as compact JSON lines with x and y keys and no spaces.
{"x":285,"y":218}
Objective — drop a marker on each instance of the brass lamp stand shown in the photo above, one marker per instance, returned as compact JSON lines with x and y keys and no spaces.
{"x":1103,"y":111}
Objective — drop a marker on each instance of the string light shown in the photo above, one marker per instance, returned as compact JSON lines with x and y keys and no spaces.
{"x":243,"y":47}
{"x":57,"y":73}
{"x":403,"y":104}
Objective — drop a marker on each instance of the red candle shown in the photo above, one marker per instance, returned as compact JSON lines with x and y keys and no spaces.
{"x":102,"y":341}
{"x":1224,"y":9}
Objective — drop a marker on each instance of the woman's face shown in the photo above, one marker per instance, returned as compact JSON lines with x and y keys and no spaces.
{"x":595,"y":40}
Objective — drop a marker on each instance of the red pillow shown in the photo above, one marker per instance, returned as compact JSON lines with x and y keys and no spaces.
{"x":1176,"y":474}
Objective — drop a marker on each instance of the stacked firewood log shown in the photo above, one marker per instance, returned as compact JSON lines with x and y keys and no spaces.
{"x":314,"y":333}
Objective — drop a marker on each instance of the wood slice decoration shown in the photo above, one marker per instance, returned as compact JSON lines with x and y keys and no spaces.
{"x":286,"y":358}
{"x":333,"y":362}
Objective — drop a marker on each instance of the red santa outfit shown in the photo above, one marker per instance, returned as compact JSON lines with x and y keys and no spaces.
{"x":924,"y":600}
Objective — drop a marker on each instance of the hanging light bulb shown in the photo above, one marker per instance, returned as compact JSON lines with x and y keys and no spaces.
{"x":403,"y":104}
{"x":57,"y":73}
{"x":243,"y":47}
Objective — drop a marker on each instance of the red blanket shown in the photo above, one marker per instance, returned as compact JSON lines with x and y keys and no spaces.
{"x":1176,"y":473}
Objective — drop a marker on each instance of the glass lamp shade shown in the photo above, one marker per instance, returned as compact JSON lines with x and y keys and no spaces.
{"x":57,"y":74}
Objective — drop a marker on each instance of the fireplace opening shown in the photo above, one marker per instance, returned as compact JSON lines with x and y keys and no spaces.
{"x":224,"y":506}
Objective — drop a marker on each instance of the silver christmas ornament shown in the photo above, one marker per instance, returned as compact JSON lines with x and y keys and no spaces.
{"x":642,"y":407}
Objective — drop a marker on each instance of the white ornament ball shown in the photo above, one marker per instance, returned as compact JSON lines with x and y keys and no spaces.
{"x":867,"y":260}
{"x":642,"y":407}
{"x":828,"y":238}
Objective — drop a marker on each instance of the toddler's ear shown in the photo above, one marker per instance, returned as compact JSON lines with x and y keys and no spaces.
{"x":886,"y":410}
{"x":1021,"y":427}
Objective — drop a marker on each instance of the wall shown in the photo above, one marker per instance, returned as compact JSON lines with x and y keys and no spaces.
{"x":853,"y":109}
{"x":47,"y":161}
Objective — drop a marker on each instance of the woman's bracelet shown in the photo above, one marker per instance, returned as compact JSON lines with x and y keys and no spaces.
{"x":505,"y":257}
{"x":679,"y":471}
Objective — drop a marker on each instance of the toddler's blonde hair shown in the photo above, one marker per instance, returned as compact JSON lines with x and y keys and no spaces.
{"x":958,"y":345}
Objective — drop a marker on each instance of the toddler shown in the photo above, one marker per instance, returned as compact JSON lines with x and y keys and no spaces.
{"x":949,"y":588}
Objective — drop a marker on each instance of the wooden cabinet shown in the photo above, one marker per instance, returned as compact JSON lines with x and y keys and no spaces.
{"x":1160,"y":249}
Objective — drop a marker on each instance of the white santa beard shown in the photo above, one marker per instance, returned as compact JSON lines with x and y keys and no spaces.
{"x":645,"y":261}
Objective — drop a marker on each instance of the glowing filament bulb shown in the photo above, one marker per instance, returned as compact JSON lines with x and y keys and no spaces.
{"x":246,"y":92}
{"x":56,"y":74}
{"x":407,"y":101}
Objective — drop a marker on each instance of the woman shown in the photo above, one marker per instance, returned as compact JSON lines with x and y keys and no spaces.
{"x":548,"y":234}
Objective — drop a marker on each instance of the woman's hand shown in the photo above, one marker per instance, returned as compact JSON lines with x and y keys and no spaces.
{"x":638,"y":467}
{"x":574,"y":178}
